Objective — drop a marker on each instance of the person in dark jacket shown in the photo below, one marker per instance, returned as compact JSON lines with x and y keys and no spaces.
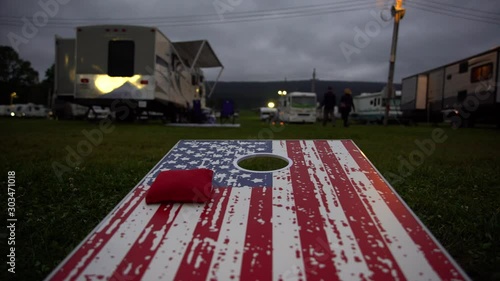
{"x":345,"y":106}
{"x":328,"y":104}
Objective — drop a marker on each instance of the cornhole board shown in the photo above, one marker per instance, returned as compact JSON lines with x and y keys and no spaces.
{"x":328,"y":215}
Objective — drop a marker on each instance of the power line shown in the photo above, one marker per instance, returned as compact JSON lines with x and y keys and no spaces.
{"x":452,"y":6}
{"x":295,"y":9}
{"x":452,"y":14}
{"x":322,"y":12}
{"x":257,"y":17}
{"x":446,"y":9}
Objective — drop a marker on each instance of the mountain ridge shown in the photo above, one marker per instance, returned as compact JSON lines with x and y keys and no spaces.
{"x":254,"y":94}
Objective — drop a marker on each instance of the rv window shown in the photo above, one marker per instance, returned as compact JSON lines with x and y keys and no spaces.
{"x":464,"y":66}
{"x":121,"y":58}
{"x":201,"y":78}
{"x":303,"y":102}
{"x":161,"y":61}
{"x":175,"y":59}
{"x":481,"y":73}
{"x":371,"y":102}
{"x":193,"y":79}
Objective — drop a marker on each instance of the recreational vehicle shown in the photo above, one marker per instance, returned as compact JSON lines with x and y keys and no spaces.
{"x":267,"y":113}
{"x":298,"y":107}
{"x":6,"y":110}
{"x":465,"y":91}
{"x":132,"y":69}
{"x":24,"y":110}
{"x":370,"y":107}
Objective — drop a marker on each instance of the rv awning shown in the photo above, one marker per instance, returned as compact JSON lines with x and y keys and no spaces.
{"x":198,"y":53}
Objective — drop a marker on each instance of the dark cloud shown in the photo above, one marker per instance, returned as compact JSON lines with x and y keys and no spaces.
{"x":289,"y":47}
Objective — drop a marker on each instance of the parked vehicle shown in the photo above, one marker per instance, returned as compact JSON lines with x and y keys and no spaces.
{"x":267,"y":113}
{"x":467,"y":89}
{"x":298,"y":107}
{"x":132,"y":69}
{"x":370,"y":107}
{"x":29,"y":110}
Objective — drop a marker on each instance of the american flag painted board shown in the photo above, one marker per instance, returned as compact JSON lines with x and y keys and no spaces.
{"x":328,"y":215}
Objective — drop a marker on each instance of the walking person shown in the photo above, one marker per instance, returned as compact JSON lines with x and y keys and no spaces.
{"x":328,"y":104}
{"x":346,"y":104}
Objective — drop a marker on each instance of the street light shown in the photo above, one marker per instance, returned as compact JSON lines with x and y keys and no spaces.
{"x":270,"y":104}
{"x":282,"y":93}
{"x":12,"y":97}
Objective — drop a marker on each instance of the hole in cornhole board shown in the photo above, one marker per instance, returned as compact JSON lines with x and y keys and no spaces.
{"x":262,"y":162}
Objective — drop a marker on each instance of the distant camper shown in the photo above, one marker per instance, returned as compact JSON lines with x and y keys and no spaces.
{"x":267,"y":114}
{"x":28,"y":110}
{"x":370,"y":107}
{"x":463,"y":92}
{"x":135,"y":65}
{"x":298,"y":107}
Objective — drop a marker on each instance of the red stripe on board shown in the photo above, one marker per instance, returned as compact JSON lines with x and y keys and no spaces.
{"x":257,"y":261}
{"x":316,"y":252}
{"x":198,"y":255}
{"x":437,"y":259}
{"x":136,"y":261}
{"x":378,"y":257}
{"x":87,"y":252}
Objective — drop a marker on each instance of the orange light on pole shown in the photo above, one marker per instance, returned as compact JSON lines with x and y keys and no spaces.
{"x":12,"y":97}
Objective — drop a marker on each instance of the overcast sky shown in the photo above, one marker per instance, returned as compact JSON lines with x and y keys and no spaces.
{"x":320,"y":35}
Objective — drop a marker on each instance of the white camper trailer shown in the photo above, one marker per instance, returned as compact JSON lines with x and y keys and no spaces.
{"x":370,"y":107}
{"x":267,"y":113}
{"x":298,"y":107}
{"x":132,"y":69}
{"x":7,"y":110}
{"x":467,"y":88}
{"x":63,"y":101}
{"x":28,"y":110}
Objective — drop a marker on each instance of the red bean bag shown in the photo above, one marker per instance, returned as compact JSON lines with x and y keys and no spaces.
{"x":184,"y":186}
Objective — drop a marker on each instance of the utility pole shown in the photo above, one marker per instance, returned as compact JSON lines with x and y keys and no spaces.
{"x":313,"y":84}
{"x":397,"y":12}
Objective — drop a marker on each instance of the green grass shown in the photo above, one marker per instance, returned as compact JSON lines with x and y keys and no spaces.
{"x":455,"y":192}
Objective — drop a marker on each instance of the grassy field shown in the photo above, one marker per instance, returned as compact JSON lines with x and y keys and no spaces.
{"x":456,"y":191}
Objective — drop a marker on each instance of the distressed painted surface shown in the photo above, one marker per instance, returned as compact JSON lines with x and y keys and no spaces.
{"x":329,"y":216}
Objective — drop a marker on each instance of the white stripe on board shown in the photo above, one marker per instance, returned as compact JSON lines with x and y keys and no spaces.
{"x":173,"y":247}
{"x":106,"y":261}
{"x":410,"y":258}
{"x":228,"y":253}
{"x":287,"y":250}
{"x":131,"y":201}
{"x":348,"y":259}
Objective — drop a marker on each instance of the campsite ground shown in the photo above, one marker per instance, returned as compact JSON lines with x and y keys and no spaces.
{"x":455,"y":191}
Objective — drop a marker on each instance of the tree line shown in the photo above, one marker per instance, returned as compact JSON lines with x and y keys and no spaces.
{"x":18,"y":76}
